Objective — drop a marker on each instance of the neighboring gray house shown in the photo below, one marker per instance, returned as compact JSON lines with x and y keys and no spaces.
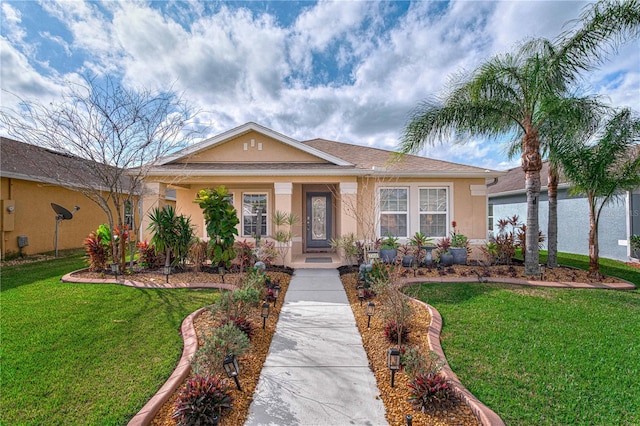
{"x":619,"y":219}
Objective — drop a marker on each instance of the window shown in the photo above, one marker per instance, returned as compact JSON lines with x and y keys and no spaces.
{"x":394,"y":209}
{"x":490,"y":206}
{"x":433,"y":212}
{"x":128,"y":214}
{"x":254,"y":214}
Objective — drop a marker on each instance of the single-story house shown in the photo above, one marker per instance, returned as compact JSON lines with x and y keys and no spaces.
{"x":619,"y":219}
{"x":334,"y":188}
{"x":30,"y":179}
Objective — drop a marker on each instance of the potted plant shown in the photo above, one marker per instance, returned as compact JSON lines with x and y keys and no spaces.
{"x":459,"y":243}
{"x":422,"y":242}
{"x":389,"y":249}
{"x":408,"y":257}
{"x":444,"y":252}
{"x":635,"y":246}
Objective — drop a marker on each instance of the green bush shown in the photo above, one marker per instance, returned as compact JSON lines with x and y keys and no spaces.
{"x":226,"y":339}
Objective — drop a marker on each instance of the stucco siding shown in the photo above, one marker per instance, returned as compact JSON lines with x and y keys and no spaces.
{"x":34,"y":218}
{"x":573,"y":223}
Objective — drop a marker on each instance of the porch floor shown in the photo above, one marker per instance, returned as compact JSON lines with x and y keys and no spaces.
{"x":316,"y":261}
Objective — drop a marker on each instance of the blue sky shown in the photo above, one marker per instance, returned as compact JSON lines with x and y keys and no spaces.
{"x":348,"y":70}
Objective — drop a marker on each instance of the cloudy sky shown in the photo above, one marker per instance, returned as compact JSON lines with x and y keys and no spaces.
{"x":349,"y":71}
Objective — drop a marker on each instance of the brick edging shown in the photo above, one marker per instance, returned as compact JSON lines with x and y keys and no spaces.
{"x":483,"y":413}
{"x":151,"y":408}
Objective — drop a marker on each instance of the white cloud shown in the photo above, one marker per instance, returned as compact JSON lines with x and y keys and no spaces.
{"x":239,"y":65}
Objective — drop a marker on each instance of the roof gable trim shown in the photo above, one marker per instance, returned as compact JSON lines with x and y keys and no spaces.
{"x":245,"y":128}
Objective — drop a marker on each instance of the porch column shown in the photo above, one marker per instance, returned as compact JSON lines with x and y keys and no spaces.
{"x":153,"y":196}
{"x":283,"y":192}
{"x":348,"y":197}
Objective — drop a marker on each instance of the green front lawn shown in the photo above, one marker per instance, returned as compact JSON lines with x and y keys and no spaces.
{"x":84,"y":354}
{"x":544,"y":356}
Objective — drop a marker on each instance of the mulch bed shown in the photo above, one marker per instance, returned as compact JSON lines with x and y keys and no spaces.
{"x":396,"y":399}
{"x":250,"y":363}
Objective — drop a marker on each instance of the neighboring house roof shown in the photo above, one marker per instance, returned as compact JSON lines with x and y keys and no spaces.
{"x":20,"y":160}
{"x":337,"y":158}
{"x":513,"y":182}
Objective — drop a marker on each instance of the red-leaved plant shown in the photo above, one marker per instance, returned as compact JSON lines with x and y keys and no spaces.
{"x":430,"y":391}
{"x":242,"y":324}
{"x":392,"y":329}
{"x":201,"y":401}
{"x":97,"y":252}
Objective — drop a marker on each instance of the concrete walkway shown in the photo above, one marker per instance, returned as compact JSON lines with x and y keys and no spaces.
{"x":316,"y":371}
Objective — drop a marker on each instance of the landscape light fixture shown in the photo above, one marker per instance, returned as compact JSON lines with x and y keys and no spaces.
{"x":264,"y":313}
{"x":215,"y":420}
{"x":115,"y":269}
{"x":393,"y":361}
{"x":231,"y":368}
{"x":167,"y":271}
{"x":370,"y":310}
{"x":409,"y":419}
{"x":360,"y":293}
{"x":276,"y":293}
{"x":221,"y":271}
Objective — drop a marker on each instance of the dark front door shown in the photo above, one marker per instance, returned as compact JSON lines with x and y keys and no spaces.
{"x":318,"y":220}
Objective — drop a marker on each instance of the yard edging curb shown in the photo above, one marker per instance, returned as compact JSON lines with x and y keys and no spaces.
{"x":146,"y":415}
{"x":483,"y":413}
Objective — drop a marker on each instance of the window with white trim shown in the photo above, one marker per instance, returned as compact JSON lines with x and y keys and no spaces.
{"x":434,"y":208}
{"x":394,"y":212}
{"x":254,"y":210}
{"x":129,"y":215}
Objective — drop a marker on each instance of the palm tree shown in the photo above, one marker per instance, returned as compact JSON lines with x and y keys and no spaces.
{"x":515,"y":93}
{"x":163,"y":224}
{"x":600,"y":170}
{"x":578,"y":118}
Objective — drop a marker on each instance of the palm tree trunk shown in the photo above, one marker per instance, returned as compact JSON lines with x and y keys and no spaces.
{"x":594,"y":250}
{"x":552,"y":226}
{"x":532,"y":164}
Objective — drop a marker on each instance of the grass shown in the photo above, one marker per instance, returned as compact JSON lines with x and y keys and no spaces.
{"x":545,"y":356}
{"x":79,"y":354}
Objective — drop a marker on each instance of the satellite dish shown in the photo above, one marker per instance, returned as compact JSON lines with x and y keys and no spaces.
{"x":63,"y":214}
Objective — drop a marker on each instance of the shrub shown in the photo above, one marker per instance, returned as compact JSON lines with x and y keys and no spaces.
{"x":429,"y":391}
{"x":242,"y":323}
{"x":148,"y":256}
{"x":97,"y":252}
{"x":415,"y":363}
{"x":225,"y":340}
{"x":267,"y":252}
{"x":244,"y":254}
{"x":392,"y":329}
{"x":198,"y":253}
{"x":202,"y":400}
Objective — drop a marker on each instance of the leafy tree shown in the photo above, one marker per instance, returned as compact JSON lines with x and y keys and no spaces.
{"x":600,"y":170}
{"x":221,"y":219}
{"x":119,"y":133}
{"x":514,"y":94}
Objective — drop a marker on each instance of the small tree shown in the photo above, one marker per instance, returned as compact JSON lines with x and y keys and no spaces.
{"x":221,"y":219}
{"x":602,"y":169}
{"x":115,"y":134}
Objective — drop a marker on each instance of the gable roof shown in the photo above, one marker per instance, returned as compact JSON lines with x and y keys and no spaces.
{"x":341,"y":158}
{"x":246,"y":128}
